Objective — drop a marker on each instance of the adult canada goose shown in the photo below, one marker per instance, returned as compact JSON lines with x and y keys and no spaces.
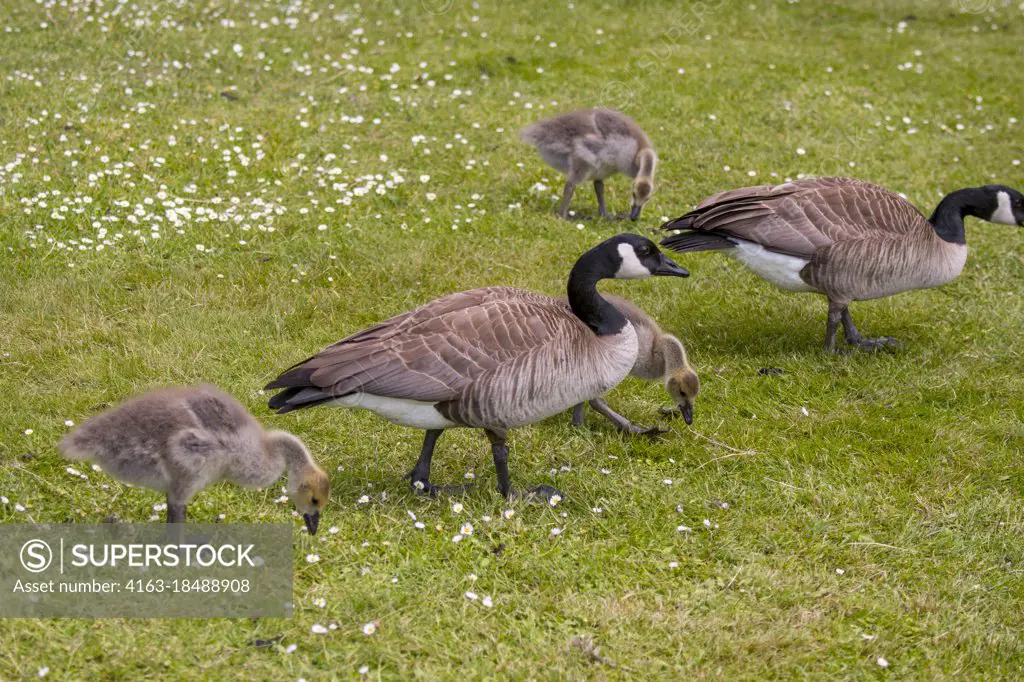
{"x":493,"y":358}
{"x":180,"y":440}
{"x":848,"y":239}
{"x":593,"y":144}
{"x":660,"y":357}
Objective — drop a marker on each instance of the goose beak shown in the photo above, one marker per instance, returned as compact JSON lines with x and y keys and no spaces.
{"x":634,"y":212}
{"x":312,"y":521}
{"x":686,"y":410}
{"x":669,"y":268}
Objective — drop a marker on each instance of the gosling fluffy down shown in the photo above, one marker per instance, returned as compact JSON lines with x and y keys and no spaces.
{"x":180,"y":440}
{"x":660,"y":357}
{"x":592,"y":145}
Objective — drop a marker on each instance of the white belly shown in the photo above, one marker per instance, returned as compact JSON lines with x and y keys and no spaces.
{"x":781,"y":270}
{"x":399,"y":411}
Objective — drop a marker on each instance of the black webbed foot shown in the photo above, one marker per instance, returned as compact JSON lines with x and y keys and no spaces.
{"x":421,"y":487}
{"x":873,"y":344}
{"x":540,"y":492}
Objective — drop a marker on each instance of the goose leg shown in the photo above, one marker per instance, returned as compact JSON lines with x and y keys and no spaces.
{"x":835,"y":314}
{"x":419,"y":477}
{"x":854,"y":337}
{"x":577,"y":414}
{"x":602,"y":210}
{"x":623,"y":424}
{"x":499,"y":450}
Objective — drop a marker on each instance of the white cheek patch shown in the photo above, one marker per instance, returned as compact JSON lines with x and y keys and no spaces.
{"x":1004,"y":212}
{"x":631,"y":267}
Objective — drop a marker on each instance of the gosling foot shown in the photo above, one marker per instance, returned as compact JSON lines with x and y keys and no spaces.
{"x":652,"y":432}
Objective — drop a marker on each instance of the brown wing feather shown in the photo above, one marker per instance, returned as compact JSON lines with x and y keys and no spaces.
{"x":801,"y":217}
{"x":434,"y":352}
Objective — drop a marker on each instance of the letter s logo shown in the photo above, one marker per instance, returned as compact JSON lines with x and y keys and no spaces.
{"x":36,"y":556}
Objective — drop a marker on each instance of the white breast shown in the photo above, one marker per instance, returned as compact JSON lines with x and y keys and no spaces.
{"x":415,"y":413}
{"x":781,"y":270}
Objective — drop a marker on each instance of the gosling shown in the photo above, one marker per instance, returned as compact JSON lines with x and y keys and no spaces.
{"x":660,"y":357}
{"x":594,"y":144}
{"x":179,"y":440}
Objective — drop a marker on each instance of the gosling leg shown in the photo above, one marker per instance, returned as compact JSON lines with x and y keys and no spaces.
{"x":563,"y":207}
{"x":176,"y":514}
{"x":602,"y":210}
{"x":623,"y":424}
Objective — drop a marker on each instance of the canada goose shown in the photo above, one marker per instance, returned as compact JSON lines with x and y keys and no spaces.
{"x":179,"y":440}
{"x":660,"y":357}
{"x":593,"y":144}
{"x":493,"y":358}
{"x":848,"y":239}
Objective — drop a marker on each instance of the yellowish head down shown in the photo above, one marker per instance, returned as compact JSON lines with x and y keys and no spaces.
{"x":311,"y":495}
{"x":683,"y":385}
{"x":643,"y":188}
{"x":643,"y":183}
{"x":681,"y":380}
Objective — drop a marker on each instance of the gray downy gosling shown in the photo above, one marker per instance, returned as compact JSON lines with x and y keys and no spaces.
{"x":180,"y":440}
{"x":594,"y":144}
{"x":660,"y":357}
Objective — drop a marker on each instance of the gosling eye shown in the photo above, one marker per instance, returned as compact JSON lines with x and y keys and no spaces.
{"x":315,"y":501}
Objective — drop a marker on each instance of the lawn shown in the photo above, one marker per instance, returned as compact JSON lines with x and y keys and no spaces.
{"x":211,"y":191}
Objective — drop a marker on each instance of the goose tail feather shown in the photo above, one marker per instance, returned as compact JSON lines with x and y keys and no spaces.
{"x":692,"y":240}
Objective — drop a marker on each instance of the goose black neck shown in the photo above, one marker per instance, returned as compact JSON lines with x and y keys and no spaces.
{"x":586,"y":303}
{"x":948,"y":218}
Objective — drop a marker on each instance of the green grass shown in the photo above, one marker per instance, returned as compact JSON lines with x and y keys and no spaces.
{"x":904,"y":472}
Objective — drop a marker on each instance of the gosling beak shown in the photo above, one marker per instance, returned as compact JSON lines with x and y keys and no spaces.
{"x":312,"y":521}
{"x":686,"y":409}
{"x":669,"y":268}
{"x":634,"y":212}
